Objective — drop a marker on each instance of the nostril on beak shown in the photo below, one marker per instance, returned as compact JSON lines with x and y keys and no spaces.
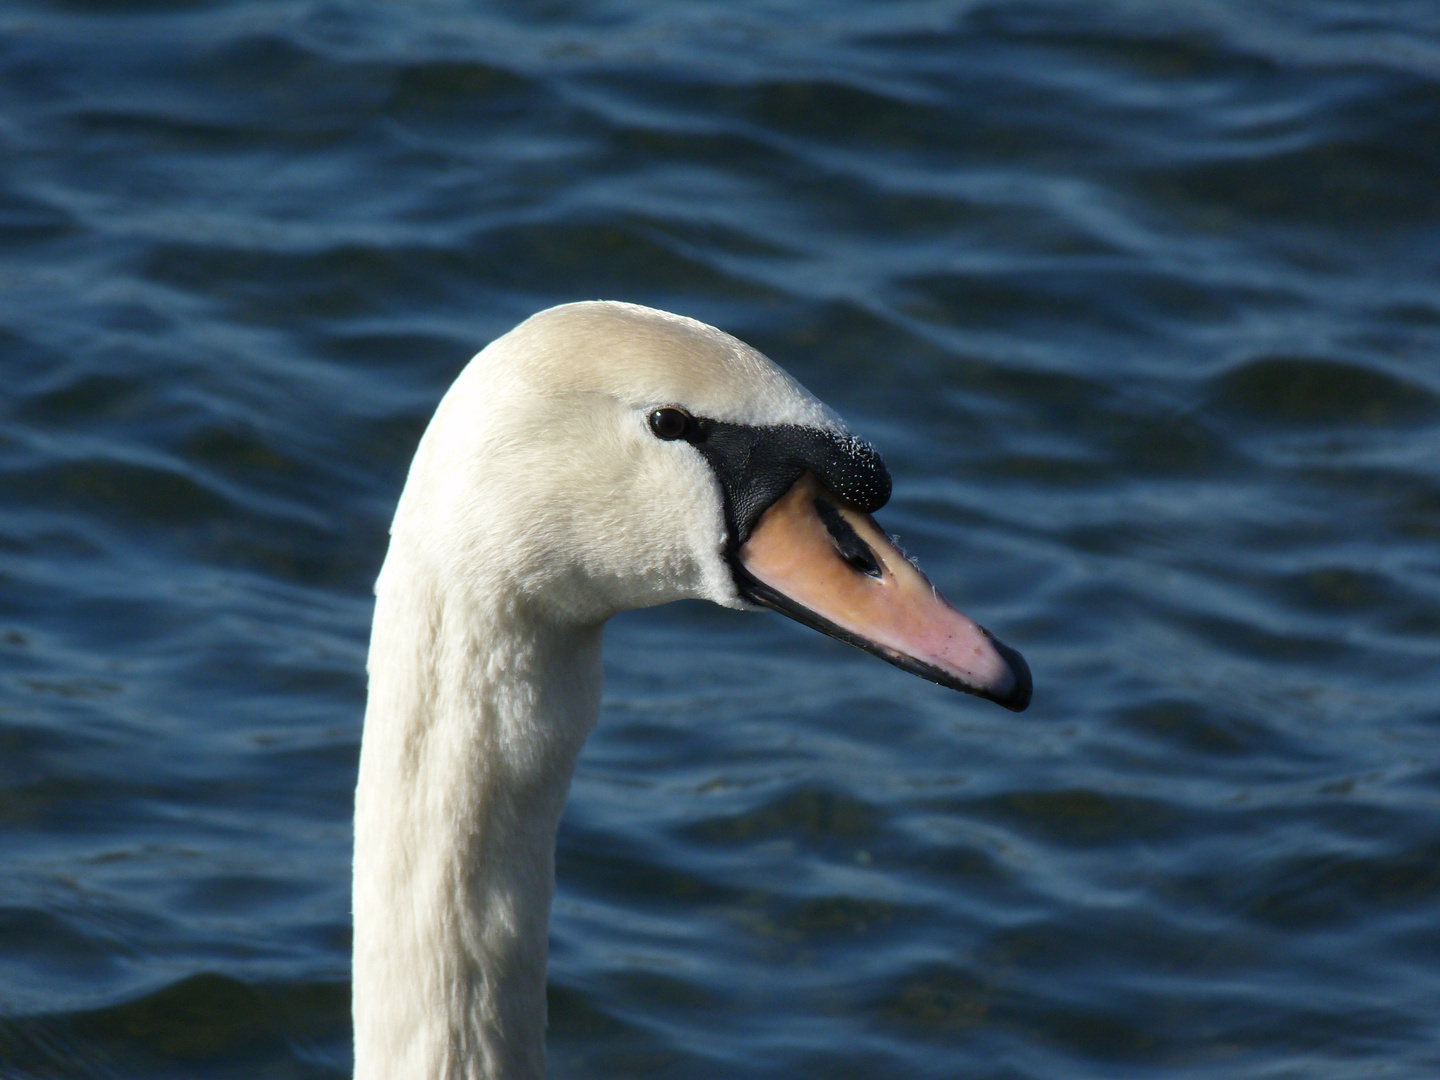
{"x":853,"y":550}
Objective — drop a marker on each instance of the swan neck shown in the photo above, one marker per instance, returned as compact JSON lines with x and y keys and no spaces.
{"x":475,"y":718}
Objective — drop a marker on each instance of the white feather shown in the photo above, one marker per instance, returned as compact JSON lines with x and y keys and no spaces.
{"x":538,"y":505}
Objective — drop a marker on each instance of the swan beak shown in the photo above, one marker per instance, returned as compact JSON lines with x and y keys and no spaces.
{"x":831,"y":567}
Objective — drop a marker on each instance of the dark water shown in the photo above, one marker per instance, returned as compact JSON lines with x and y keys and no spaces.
{"x":1141,"y":301}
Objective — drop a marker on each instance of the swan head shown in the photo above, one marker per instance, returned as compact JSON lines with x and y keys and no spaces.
{"x":604,"y":456}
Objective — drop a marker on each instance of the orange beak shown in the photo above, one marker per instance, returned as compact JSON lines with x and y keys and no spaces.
{"x":828,"y":565}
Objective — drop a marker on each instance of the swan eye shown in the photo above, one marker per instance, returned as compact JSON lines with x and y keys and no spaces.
{"x":669,"y":422}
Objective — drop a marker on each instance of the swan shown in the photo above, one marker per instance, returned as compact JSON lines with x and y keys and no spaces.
{"x":600,"y":456}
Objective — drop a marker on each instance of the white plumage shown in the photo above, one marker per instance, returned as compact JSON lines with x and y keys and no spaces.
{"x":539,"y":504}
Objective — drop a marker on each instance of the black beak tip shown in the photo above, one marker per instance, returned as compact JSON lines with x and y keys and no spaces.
{"x":1018,"y":699}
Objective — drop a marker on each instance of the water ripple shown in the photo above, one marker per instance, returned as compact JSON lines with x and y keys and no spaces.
{"x":1141,"y":302}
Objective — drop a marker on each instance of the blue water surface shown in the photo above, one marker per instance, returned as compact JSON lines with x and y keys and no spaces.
{"x":1141,"y":301}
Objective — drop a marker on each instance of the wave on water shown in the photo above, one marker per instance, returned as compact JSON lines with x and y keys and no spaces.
{"x":1142,"y":304}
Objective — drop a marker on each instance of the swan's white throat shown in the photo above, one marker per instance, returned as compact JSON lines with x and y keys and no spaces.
{"x":598,"y":457}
